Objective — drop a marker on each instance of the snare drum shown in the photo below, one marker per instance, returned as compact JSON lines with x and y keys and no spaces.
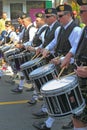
{"x":18,"y":59}
{"x":11,"y":52}
{"x":3,"y":49}
{"x":31,"y":65}
{"x":43,"y":74}
{"x":63,"y":96}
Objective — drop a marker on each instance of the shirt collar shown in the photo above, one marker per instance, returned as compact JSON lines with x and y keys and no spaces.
{"x":68,"y":24}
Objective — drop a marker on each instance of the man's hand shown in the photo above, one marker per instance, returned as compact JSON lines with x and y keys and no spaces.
{"x":38,"y":51}
{"x":19,"y":46}
{"x":55,"y":61}
{"x":81,"y":71}
{"x":30,"y":48}
{"x":66,"y":61}
{"x":45,"y":53}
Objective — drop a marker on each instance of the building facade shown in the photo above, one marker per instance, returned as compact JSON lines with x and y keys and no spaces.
{"x":13,"y":7}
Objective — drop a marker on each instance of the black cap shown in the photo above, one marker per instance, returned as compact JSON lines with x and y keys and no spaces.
{"x":51,"y":11}
{"x":64,"y":7}
{"x":40,"y":15}
{"x":82,"y":2}
{"x":24,"y":15}
{"x":8,"y":23}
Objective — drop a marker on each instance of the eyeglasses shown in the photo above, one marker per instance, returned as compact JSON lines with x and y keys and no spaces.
{"x":82,"y":11}
{"x":48,"y":16}
{"x":61,"y":15}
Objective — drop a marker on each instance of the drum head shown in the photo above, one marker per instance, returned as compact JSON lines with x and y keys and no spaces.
{"x":29,"y":63}
{"x":42,"y":70}
{"x":60,"y":85}
{"x":6,"y":48}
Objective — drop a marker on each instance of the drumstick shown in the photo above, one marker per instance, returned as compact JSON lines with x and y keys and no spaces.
{"x":61,"y":72}
{"x":38,"y":55}
{"x":24,"y":51}
{"x":69,"y":74}
{"x":35,"y":56}
{"x":39,"y":60}
{"x":58,"y":57}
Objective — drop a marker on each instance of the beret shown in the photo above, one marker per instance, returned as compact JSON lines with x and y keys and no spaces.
{"x":64,"y":7}
{"x":82,"y":2}
{"x":40,"y":15}
{"x":51,"y":11}
{"x":24,"y":15}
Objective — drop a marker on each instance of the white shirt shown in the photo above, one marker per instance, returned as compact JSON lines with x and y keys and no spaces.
{"x":32,"y":32}
{"x":13,"y":36}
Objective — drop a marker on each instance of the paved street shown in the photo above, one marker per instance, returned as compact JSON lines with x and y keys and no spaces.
{"x":16,"y":113}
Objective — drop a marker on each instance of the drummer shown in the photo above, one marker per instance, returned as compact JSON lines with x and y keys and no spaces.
{"x":10,"y":38}
{"x":67,"y":47}
{"x":28,"y":35}
{"x":40,"y":18}
{"x":65,"y":41}
{"x":51,"y":20}
{"x":39,"y":36}
{"x":80,"y":119}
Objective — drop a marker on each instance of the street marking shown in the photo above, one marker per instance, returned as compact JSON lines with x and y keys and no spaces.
{"x":14,"y":102}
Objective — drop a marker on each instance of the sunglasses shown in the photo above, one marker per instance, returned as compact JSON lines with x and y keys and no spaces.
{"x":61,"y":15}
{"x":82,"y":11}
{"x":48,"y":16}
{"x":6,"y":26}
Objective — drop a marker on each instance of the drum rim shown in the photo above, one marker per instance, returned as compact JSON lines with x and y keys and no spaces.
{"x":62,"y":89}
{"x":42,"y":74}
{"x":12,"y":51}
{"x":26,"y":65}
{"x":19,"y":55}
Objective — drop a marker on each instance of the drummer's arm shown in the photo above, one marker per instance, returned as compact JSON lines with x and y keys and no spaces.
{"x":66,"y":60}
{"x":30,"y":48}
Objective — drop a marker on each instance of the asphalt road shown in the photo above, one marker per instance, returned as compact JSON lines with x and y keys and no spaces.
{"x":16,"y":113}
